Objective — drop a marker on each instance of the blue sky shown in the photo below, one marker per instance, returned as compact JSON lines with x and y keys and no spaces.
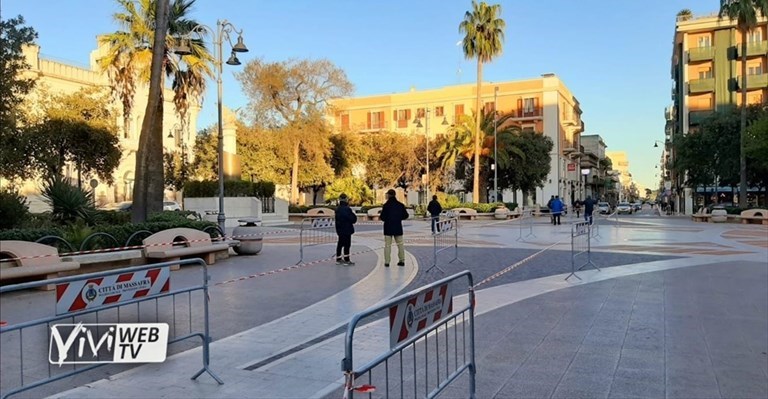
{"x":613,"y":55}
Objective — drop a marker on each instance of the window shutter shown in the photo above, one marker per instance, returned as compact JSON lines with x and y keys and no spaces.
{"x":535,"y":105}
{"x":519,"y":107}
{"x":381,"y":120}
{"x":394,"y":115}
{"x":369,"y":120}
{"x":407,"y":114}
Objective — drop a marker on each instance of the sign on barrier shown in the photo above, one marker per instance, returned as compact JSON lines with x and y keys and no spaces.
{"x":412,"y":315}
{"x":84,"y":294}
{"x":316,"y":231}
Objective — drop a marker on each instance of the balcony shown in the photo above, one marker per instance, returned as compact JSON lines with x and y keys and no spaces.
{"x":529,"y":113}
{"x":755,"y":49}
{"x":696,"y":117}
{"x":701,"y":85}
{"x":754,"y":81}
{"x":701,"y":53}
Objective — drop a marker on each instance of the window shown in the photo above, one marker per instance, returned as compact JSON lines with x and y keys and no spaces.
{"x":705,"y":41}
{"x":458,"y":110}
{"x":756,"y":69}
{"x":439,"y":111}
{"x":755,"y":36}
{"x":529,"y":128}
{"x":402,"y":116}
{"x":376,"y":120}
{"x":705,"y":73}
{"x":490,"y":107}
{"x":419,"y":112}
{"x":345,"y":121}
{"x":528,"y":106}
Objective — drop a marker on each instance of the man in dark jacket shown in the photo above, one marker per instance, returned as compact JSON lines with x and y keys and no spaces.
{"x":434,"y":210}
{"x":589,"y":207}
{"x":345,"y":221}
{"x":549,"y":207}
{"x":392,"y":214}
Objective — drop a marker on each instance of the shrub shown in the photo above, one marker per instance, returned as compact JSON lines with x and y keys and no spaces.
{"x":511,"y":205}
{"x":358,"y":192}
{"x":29,"y":234}
{"x":113,"y":217}
{"x":238,"y":188}
{"x":68,"y":202}
{"x":14,"y":210}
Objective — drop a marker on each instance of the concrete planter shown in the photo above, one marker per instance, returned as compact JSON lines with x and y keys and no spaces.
{"x":250,"y":236}
{"x":719,"y":216}
{"x":500,"y":213}
{"x":234,"y":208}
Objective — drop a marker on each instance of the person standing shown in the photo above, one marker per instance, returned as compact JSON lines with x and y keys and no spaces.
{"x":577,"y":208}
{"x":549,"y":207}
{"x":392,"y":214}
{"x":345,"y":227}
{"x":557,"y":210}
{"x":589,"y":207}
{"x":434,"y":210}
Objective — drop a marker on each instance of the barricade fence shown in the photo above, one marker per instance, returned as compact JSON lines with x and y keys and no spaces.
{"x":42,"y":350}
{"x":445,"y":237}
{"x":316,"y":231}
{"x":581,"y":245}
{"x":431,"y":344}
{"x":526,"y":225}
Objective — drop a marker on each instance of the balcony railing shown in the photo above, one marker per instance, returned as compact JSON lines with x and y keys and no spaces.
{"x":754,"y":81}
{"x":701,"y":85}
{"x":701,"y":53}
{"x":529,"y":113}
{"x":754,"y":49}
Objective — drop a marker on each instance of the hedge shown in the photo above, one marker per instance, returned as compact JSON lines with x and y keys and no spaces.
{"x":241,"y":188}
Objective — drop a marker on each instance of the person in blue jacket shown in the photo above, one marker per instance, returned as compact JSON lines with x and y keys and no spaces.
{"x":556,"y":209}
{"x":392,"y":214}
{"x":345,"y":227}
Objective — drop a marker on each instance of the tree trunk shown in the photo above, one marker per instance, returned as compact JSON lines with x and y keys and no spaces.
{"x":743,"y":133}
{"x":476,"y":181}
{"x":295,"y":174}
{"x":144,"y":188}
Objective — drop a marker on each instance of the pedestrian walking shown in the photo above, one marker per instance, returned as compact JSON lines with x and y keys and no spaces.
{"x":434,"y":210}
{"x":577,"y":208}
{"x":556,"y":210}
{"x":589,"y":207}
{"x":345,"y":227}
{"x":549,"y":207}
{"x":392,"y":214}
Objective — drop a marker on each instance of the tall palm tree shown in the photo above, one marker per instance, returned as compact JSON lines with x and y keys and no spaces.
{"x":460,"y":147}
{"x":128,"y":63}
{"x":684,"y":14}
{"x":483,"y":33}
{"x":745,"y":12}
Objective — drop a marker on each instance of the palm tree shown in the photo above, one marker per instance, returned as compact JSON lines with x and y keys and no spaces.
{"x":745,"y":12}
{"x":684,"y":14}
{"x":128,"y":63}
{"x":460,"y":148}
{"x":483,"y":33}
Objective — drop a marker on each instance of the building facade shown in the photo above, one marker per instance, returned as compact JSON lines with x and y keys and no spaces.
{"x":598,"y":181}
{"x":542,"y":104}
{"x":67,"y":78}
{"x":706,"y":74}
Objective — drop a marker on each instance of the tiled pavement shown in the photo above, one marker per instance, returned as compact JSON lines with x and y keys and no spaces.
{"x":690,"y":327}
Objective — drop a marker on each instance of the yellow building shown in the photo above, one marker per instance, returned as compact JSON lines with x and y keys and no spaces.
{"x":620,"y":163}
{"x":542,"y":104}
{"x":62,"y":77}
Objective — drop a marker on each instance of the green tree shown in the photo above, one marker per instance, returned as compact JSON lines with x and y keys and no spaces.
{"x":177,"y":169}
{"x":684,"y":14}
{"x":529,"y":172}
{"x":392,"y":160}
{"x":483,"y":36}
{"x":358,"y":192}
{"x":14,"y":86}
{"x":757,"y":152}
{"x":205,"y":166}
{"x":293,"y":94}
{"x":141,"y":52}
{"x":745,"y":12}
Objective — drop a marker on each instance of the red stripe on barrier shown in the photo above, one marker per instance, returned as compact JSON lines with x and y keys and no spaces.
{"x":124,"y":277}
{"x":166,"y":286}
{"x":422,"y":324}
{"x":111,"y":299}
{"x":141,"y":293}
{"x":152,"y":275}
{"x":60,"y":289}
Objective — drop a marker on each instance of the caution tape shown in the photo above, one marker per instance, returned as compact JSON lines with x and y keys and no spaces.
{"x":513,"y":266}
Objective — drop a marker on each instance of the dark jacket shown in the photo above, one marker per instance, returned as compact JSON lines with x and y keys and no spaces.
{"x":434,"y":208}
{"x":345,"y":220}
{"x":392,"y":214}
{"x":549,"y":203}
{"x":557,"y":206}
{"x":589,"y":205}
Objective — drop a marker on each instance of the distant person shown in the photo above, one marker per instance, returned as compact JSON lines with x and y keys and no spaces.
{"x":345,"y":221}
{"x":434,"y":210}
{"x":549,"y":207}
{"x":392,"y":214}
{"x":577,"y":208}
{"x":589,"y":207}
{"x":556,"y":209}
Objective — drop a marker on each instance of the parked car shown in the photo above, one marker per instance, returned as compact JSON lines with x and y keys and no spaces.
{"x":171,"y":206}
{"x":603,"y":207}
{"x":624,"y":207}
{"x":124,"y":206}
{"x":637,"y":206}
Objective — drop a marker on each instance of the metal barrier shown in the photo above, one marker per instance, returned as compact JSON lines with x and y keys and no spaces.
{"x":595,"y":226}
{"x":316,"y":231}
{"x":423,"y":315}
{"x":446,"y":236}
{"x":581,"y":243}
{"x":526,"y":223}
{"x":107,"y":307}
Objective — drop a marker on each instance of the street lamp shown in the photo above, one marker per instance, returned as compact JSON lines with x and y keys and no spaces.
{"x":223,"y":30}
{"x":656,"y":144}
{"x":495,"y":148}
{"x":417,"y":122}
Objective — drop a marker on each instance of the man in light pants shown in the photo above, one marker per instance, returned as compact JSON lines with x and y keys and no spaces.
{"x":392,"y":214}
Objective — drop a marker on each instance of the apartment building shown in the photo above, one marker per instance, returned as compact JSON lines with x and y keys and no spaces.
{"x":541,"y":104}
{"x":706,"y":74}
{"x":65,"y":77}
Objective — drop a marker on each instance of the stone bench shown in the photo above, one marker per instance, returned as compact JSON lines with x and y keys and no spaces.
{"x":33,"y":259}
{"x":756,"y":215}
{"x":174,"y":244}
{"x":374,"y":213}
{"x":316,"y":212}
{"x":466,"y":213}
{"x":701,"y":216}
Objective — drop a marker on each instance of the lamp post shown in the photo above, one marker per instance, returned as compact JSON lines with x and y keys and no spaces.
{"x":495,"y":148}
{"x":223,"y":30}
{"x":417,"y":121}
